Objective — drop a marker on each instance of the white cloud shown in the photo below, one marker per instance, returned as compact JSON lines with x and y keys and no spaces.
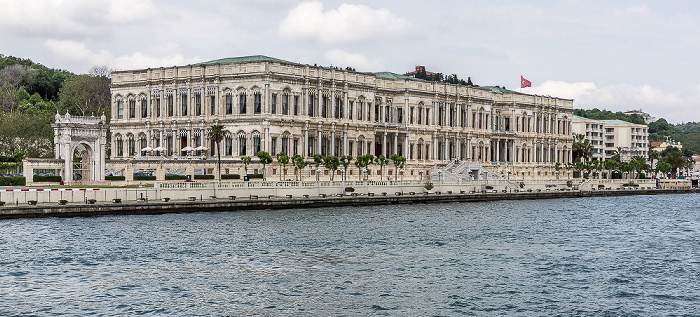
{"x":71,"y":18}
{"x":349,"y":23}
{"x":344,"y":59}
{"x":73,"y":52}
{"x":671,"y":105}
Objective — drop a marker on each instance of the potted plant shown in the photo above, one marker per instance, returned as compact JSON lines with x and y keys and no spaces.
{"x":62,"y":202}
{"x":428,"y":187}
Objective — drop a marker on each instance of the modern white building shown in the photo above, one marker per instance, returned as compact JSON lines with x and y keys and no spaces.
{"x":276,"y":106}
{"x":610,"y":136}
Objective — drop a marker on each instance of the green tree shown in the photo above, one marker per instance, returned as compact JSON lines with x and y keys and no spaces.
{"x":582,"y":148}
{"x":299,"y":164}
{"x":86,"y":95}
{"x":399,"y":162}
{"x":265,"y":159}
{"x":381,"y":161}
{"x":217,"y":134}
{"x":331,"y":162}
{"x":362,"y":162}
{"x":674,"y":157}
{"x":246,"y":161}
{"x":345,"y":161}
{"x":283,"y":160}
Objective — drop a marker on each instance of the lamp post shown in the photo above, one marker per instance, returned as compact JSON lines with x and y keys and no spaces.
{"x":401,"y":171}
{"x":342,"y":174}
{"x":508,"y":176}
{"x":364,"y":171}
{"x":557,"y":174}
{"x":318,"y":172}
{"x":568,"y":174}
{"x":440,"y":175}
{"x":625,"y":174}
{"x":421,"y":174}
{"x":522,"y":173}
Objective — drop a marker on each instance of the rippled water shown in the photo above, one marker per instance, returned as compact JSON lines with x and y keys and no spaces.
{"x":612,"y":256}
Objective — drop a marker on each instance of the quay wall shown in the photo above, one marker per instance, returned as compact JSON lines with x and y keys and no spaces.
{"x":157,"y":207}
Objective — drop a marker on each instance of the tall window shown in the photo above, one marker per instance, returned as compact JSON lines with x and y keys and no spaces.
{"x":256,"y":143}
{"x":197,"y":104}
{"x":273,"y":146}
{"x":132,"y":108}
{"x":143,"y":143}
{"x":212,"y":104}
{"x":183,"y":97}
{"x":169,"y":140}
{"x":295,"y":147}
{"x":257,"y":102}
{"x":132,"y":147}
{"x":324,"y":106}
{"x":350,"y":104}
{"x":285,"y":144}
{"x":120,"y":147}
{"x":285,"y":102}
{"x":158,"y":106}
{"x":273,"y":104}
{"x":296,"y":105}
{"x":229,"y":146}
{"x":120,"y":109}
{"x":144,"y":108}
{"x":399,"y":115}
{"x":242,"y":102}
{"x":312,"y":101}
{"x":242,"y":150}
{"x":171,"y":107}
{"x":229,"y":104}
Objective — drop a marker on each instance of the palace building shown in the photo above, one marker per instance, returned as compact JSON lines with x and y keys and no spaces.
{"x":277,"y":106}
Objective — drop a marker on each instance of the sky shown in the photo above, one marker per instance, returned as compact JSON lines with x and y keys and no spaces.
{"x":615,"y":55}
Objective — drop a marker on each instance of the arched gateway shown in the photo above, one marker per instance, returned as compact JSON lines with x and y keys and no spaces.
{"x":79,"y":145}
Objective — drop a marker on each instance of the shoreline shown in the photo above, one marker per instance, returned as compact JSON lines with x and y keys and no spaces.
{"x":158,"y":207}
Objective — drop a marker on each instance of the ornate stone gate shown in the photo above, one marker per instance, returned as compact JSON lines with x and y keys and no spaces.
{"x":80,"y":143}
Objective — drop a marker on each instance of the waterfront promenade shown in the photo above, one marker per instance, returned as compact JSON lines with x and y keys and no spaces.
{"x":166,"y":197}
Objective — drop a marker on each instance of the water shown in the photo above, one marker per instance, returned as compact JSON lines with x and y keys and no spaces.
{"x":613,"y":256}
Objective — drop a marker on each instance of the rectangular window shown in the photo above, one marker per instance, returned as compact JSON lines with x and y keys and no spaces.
{"x":144,"y":108}
{"x":324,"y":104}
{"x":132,"y":108}
{"x":256,"y":144}
{"x":158,"y":107}
{"x":171,"y":107}
{"x":273,"y":104}
{"x":338,"y":108}
{"x":132,"y":147}
{"x":257,"y":103}
{"x":184,"y":104}
{"x":399,"y":115}
{"x":285,"y":104}
{"x":273,"y":146}
{"x":242,"y":150}
{"x":198,"y":104}
{"x":229,"y":104}
{"x":242,"y":103}
{"x":350,"y":110}
{"x":296,"y":105}
{"x":312,"y":98}
{"x":120,"y":147}
{"x":212,"y":104}
{"x":120,"y":109}
{"x":229,"y":146}
{"x":285,"y":145}
{"x":295,"y":147}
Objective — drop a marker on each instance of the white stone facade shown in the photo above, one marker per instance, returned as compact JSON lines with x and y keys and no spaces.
{"x":610,"y":136}
{"x":278,"y":106}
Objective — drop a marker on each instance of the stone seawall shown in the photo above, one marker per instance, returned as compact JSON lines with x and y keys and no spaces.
{"x":284,"y":203}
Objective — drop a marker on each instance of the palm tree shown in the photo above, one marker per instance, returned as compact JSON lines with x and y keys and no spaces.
{"x":582,"y":148}
{"x":217,"y":135}
{"x":676,"y":160}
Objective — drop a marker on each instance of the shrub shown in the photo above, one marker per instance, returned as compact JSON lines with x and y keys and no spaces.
{"x":204,"y":177}
{"x":144,"y":178}
{"x":251,"y":176}
{"x":13,"y":181}
{"x":91,"y":201}
{"x":52,"y":179}
{"x":174,"y":177}
{"x":231,"y":176}
{"x":115,"y":178}
{"x":62,"y":202}
{"x":521,"y":185}
{"x":2,"y":203}
{"x":32,"y":202}
{"x":569,"y":183}
{"x":428,"y":185}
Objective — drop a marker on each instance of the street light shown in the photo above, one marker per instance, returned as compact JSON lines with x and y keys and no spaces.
{"x":401,"y":171}
{"x":508,"y":176}
{"x":522,"y":173}
{"x":421,"y":174}
{"x":342,"y":174}
{"x":318,"y":172}
{"x":364,"y":170}
{"x":568,"y":173}
{"x":556,"y":173}
{"x":439,"y":175}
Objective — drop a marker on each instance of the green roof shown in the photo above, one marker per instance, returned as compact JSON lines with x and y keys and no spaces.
{"x":616,"y":122}
{"x":581,"y":118}
{"x":390,"y":75}
{"x":244,"y":59}
{"x":500,"y":90}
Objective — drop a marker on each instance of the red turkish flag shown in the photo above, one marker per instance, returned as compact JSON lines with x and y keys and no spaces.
{"x":524,"y":82}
